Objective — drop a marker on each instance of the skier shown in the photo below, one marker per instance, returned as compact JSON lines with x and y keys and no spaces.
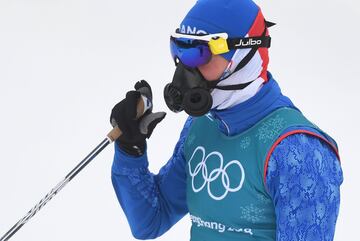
{"x":248,"y":165}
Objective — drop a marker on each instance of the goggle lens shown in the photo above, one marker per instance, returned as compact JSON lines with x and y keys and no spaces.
{"x":190,"y":54}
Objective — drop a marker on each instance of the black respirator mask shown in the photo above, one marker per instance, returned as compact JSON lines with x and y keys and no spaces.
{"x":191,"y":92}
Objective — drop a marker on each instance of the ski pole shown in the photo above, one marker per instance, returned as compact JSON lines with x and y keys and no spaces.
{"x":115,"y":133}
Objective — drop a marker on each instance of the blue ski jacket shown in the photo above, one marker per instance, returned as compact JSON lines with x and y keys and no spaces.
{"x":306,"y":205}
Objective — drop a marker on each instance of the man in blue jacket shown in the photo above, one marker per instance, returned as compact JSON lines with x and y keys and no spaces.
{"x":248,"y":165}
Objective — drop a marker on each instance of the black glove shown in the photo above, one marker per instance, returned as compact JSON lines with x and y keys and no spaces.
{"x":135,"y":131}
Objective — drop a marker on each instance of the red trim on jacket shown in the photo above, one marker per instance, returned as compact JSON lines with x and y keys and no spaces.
{"x":291,"y":133}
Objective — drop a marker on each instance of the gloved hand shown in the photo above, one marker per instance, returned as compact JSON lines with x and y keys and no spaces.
{"x":135,"y":131}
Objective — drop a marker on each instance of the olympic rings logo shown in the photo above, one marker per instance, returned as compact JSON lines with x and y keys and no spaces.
{"x":214,"y":174}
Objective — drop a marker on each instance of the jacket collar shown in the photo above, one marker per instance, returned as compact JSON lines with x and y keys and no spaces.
{"x":240,"y":117}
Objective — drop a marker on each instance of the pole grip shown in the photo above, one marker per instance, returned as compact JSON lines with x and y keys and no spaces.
{"x":141,"y":109}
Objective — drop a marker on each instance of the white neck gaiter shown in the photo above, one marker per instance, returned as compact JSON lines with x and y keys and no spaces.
{"x":223,"y":99}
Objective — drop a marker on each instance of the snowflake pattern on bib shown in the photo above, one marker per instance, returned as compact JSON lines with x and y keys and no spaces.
{"x":270,"y":128}
{"x":252,"y":214}
{"x":245,"y":143}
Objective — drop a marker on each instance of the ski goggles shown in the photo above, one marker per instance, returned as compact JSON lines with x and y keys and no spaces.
{"x":196,"y":50}
{"x":193,"y":50}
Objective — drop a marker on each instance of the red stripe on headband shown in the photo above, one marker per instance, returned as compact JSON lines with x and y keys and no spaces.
{"x":256,"y":30}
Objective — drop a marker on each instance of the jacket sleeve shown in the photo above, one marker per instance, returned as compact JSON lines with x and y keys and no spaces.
{"x":152,"y":203}
{"x":304,"y":177}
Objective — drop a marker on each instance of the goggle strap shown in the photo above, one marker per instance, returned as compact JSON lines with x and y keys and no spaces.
{"x":251,"y":42}
{"x":251,"y":54}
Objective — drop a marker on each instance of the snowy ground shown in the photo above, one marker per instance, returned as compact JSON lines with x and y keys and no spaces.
{"x":64,"y":64}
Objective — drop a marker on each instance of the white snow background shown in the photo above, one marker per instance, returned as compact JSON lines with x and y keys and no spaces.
{"x":64,"y":64}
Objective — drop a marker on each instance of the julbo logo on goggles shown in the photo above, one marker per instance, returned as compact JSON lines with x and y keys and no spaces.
{"x":195,"y":50}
